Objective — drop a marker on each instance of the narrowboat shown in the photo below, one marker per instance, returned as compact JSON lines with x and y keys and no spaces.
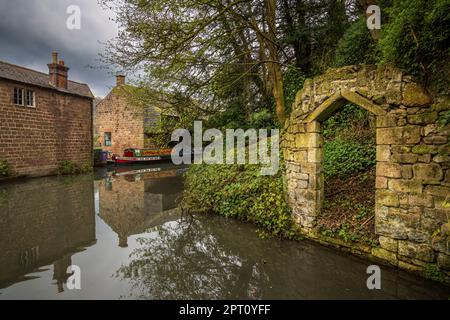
{"x":100,"y":158}
{"x":140,"y":156}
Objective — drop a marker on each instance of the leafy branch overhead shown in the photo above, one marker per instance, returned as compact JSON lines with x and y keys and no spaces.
{"x":238,"y":56}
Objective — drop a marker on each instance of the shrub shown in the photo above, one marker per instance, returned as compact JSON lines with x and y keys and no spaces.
{"x":67,"y":167}
{"x":293,"y":80}
{"x":444,"y":119}
{"x":343,"y":157}
{"x":5,"y":168}
{"x":85,"y":168}
{"x":239,"y":191}
{"x":351,"y":121}
{"x":416,"y":38}
{"x":356,"y":46}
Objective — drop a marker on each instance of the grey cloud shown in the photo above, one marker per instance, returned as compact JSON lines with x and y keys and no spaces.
{"x":31,"y":29}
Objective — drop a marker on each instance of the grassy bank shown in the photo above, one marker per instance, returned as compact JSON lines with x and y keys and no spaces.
{"x":239,"y":191}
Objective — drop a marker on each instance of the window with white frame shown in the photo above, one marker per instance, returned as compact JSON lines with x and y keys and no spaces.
{"x":18,"y":96}
{"x":30,"y":99}
{"x":108,"y":141}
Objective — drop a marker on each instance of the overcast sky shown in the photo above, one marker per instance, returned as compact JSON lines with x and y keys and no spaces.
{"x":31,"y":29}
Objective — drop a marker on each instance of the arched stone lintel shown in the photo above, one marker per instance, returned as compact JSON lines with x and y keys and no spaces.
{"x":339,"y":99}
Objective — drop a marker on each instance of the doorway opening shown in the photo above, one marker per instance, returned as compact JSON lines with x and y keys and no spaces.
{"x":349,"y":176}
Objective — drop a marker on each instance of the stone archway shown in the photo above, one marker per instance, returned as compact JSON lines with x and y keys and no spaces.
{"x":413,"y":159}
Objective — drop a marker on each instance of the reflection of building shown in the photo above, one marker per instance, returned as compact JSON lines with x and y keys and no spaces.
{"x":56,"y":220}
{"x":130,"y":204}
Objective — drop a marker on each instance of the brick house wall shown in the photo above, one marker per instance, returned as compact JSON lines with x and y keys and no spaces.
{"x":125,"y":119}
{"x":35,"y":140}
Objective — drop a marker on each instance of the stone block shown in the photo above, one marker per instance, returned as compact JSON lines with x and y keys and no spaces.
{"x":386,"y":121}
{"x":441,"y":244}
{"x":414,"y":95}
{"x":428,"y":172}
{"x":391,"y":228}
{"x":407,"y":186}
{"x":428,"y":129}
{"x":421,"y":200}
{"x":444,"y":150}
{"x":440,"y":158}
{"x":424,"y":149}
{"x":383,"y":152}
{"x":302,"y":176}
{"x":409,"y":267}
{"x":399,"y":135}
{"x":388,"y":244}
{"x":443,"y":261}
{"x":424,"y":158}
{"x":418,"y":236}
{"x":381,"y":183}
{"x":405,"y":157}
{"x":309,"y":140}
{"x":423,"y":118}
{"x":315,"y":155}
{"x":407,"y":172}
{"x":403,"y":200}
{"x":418,"y":251}
{"x":390,"y":170}
{"x":401,"y":149}
{"x":435,"y":139}
{"x":439,"y":191}
{"x":302,"y":184}
{"x":300,"y":156}
{"x":386,"y":255}
{"x":387,"y":198}
{"x":313,"y":127}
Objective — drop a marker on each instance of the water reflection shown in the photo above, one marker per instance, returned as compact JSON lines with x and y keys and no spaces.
{"x":42,"y":222}
{"x":123,"y":229}
{"x":208,"y":257}
{"x":131,"y":202}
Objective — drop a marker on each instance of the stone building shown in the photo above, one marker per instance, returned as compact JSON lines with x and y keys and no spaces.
{"x":44,"y":119}
{"x":122,"y":121}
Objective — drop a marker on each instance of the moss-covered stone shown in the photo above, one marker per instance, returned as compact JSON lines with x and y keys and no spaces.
{"x":444,"y":150}
{"x":386,"y":255}
{"x":424,"y":149}
{"x":417,"y":251}
{"x":415,"y":95}
{"x":428,"y":172}
{"x":423,"y":118}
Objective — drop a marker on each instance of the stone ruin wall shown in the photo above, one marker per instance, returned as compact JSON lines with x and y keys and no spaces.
{"x":412,"y":215}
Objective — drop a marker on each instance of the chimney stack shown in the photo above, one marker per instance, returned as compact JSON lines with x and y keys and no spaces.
{"x":120,"y":79}
{"x":58,"y":72}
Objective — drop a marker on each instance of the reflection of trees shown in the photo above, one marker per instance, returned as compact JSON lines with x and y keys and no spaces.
{"x":188,"y":260}
{"x":209,"y":257}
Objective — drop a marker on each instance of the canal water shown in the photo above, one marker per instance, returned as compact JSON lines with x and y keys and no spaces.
{"x":123,"y":230}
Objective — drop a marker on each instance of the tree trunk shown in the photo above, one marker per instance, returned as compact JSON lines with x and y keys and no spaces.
{"x":274,"y":65}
